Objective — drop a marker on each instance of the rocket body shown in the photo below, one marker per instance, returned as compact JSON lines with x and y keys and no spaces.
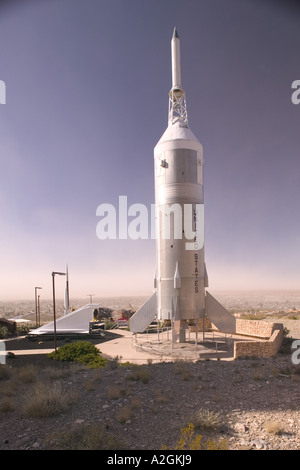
{"x":180,"y":274}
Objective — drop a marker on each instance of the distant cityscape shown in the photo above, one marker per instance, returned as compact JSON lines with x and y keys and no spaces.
{"x":268,"y":302}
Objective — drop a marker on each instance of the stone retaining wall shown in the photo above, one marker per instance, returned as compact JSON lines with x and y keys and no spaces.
{"x":257,"y":328}
{"x":269,"y":338}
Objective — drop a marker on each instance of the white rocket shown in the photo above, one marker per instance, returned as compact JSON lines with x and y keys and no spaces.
{"x":180,"y":280}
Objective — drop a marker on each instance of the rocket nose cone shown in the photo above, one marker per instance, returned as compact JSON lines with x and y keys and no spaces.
{"x":175,"y":34}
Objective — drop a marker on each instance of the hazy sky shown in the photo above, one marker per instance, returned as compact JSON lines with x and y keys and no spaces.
{"x":87,"y":85}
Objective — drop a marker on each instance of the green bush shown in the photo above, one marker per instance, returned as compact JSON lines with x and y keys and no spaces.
{"x":83,"y":352}
{"x":286,"y":344}
{"x":4,"y":332}
{"x":23,"y":329}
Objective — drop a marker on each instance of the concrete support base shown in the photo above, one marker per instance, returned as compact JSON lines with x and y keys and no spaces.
{"x":180,"y":327}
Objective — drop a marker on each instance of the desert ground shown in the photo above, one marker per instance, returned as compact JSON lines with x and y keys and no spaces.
{"x":145,"y":403}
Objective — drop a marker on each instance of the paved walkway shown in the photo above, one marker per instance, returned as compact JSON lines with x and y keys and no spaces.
{"x":122,"y":347}
{"x":149,"y":347}
{"x":159,"y":348}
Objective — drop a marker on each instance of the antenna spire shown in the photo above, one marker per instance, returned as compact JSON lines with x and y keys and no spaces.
{"x":177,"y":103}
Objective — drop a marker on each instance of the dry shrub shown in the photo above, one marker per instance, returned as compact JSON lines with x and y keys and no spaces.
{"x":258,"y":375}
{"x":27,"y":374}
{"x":6,"y":405}
{"x":84,"y":437}
{"x":273,"y":427}
{"x":124,"y":414}
{"x":181,"y":368}
{"x":44,"y":401}
{"x":89,"y":385}
{"x":115,"y":392}
{"x":57,"y":373}
{"x":160,"y":396}
{"x":136,"y":403}
{"x":8,"y":388}
{"x":93,"y":380}
{"x":139,"y":373}
{"x":5,"y":372}
{"x":205,"y":419}
{"x":97,"y":375}
{"x":189,"y":440}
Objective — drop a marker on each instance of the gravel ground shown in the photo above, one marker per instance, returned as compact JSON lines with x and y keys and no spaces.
{"x":257,"y":402}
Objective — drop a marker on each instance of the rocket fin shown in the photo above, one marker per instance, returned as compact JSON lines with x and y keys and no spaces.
{"x":144,"y":315}
{"x":155,"y":280}
{"x":175,"y":308}
{"x":177,"y":278}
{"x":205,"y":276}
{"x":218,"y":315}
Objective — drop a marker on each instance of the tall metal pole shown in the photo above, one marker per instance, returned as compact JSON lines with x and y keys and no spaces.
{"x":39,"y":311}
{"x":91,"y":297}
{"x":35,"y":303}
{"x":36,"y":307}
{"x":67,"y":294}
{"x":54,"y":313}
{"x":173,"y":331}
